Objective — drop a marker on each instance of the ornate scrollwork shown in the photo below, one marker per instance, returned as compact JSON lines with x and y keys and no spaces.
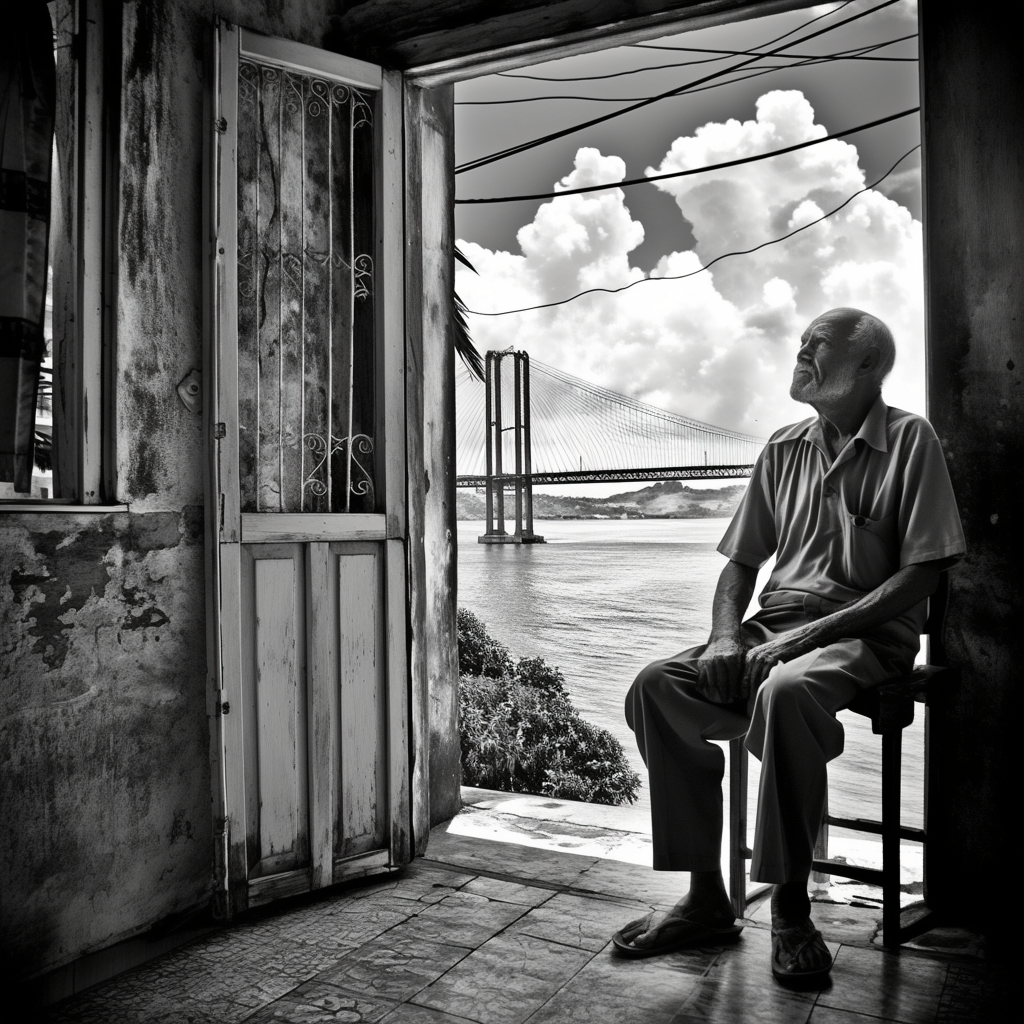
{"x":360,"y":445}
{"x":362,"y":109}
{"x":292,"y":98}
{"x":319,"y":97}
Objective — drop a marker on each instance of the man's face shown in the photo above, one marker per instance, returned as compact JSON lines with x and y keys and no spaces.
{"x":825,"y":368}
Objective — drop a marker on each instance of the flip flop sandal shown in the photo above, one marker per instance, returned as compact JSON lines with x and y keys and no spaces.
{"x":683,"y":934}
{"x":787,"y":946}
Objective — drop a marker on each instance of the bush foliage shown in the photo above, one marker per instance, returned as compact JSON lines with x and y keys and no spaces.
{"x":520,"y":732}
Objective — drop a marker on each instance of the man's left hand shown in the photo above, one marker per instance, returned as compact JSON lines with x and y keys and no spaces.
{"x":762,"y":659}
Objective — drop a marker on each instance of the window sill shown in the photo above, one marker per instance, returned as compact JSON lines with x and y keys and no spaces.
{"x":46,"y":505}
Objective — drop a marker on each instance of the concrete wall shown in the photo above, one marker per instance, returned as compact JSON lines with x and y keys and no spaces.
{"x":974,"y":227}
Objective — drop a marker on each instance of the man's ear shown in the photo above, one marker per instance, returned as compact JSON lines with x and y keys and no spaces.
{"x":869,"y":362}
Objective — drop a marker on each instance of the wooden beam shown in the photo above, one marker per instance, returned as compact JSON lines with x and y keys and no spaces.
{"x":443,"y":40}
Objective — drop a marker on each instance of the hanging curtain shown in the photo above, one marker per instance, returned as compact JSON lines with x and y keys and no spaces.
{"x":27,"y":96}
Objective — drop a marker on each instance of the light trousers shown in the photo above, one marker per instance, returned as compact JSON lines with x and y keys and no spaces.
{"x":790,"y":725}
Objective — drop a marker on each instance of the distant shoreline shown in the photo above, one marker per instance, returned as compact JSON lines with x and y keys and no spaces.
{"x":668,"y":500}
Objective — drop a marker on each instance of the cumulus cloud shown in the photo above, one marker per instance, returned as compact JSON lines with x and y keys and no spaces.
{"x":718,"y":346}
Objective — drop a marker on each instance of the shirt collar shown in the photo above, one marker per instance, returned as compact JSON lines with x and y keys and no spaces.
{"x":872,"y":430}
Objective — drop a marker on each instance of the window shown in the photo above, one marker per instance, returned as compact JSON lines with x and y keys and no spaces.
{"x":67,"y":371}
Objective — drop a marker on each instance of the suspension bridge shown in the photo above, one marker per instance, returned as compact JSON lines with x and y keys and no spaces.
{"x":530,"y":424}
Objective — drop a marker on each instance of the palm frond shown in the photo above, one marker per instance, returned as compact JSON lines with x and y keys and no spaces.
{"x":461,"y":338}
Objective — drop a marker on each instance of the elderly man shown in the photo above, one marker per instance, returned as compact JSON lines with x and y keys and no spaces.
{"x":856,"y":505}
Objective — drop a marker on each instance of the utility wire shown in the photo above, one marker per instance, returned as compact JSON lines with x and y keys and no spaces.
{"x":708,"y":266}
{"x":737,"y":53}
{"x":693,"y":170}
{"x":552,"y":136}
{"x":633,"y":99}
{"x":856,"y":53}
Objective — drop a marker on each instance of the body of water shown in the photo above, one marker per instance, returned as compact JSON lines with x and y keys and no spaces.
{"x":602,"y":598}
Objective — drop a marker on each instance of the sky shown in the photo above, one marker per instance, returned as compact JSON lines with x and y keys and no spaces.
{"x":717,"y":346}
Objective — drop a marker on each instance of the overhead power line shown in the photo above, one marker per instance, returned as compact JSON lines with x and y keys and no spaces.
{"x":693,"y":170}
{"x":828,"y":59}
{"x":552,"y":136}
{"x":739,"y":53}
{"x":707,"y":266}
{"x":857,"y":53}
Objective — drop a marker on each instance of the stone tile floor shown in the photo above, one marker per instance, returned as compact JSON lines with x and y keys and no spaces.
{"x":492,"y":933}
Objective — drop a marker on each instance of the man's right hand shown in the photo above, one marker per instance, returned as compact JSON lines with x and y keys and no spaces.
{"x":720,"y":671}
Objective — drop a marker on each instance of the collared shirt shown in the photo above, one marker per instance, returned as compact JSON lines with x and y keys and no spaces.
{"x":841,"y":528}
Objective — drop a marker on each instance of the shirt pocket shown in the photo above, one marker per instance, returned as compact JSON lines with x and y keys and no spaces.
{"x":869,"y":549}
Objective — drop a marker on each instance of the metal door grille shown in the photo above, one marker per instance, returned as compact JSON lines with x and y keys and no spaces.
{"x":306,"y":188}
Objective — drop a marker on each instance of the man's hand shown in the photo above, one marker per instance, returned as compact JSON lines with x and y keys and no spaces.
{"x":762,"y":659}
{"x":720,"y":671}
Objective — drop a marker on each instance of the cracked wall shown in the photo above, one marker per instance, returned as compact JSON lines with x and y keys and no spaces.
{"x":103,"y":734}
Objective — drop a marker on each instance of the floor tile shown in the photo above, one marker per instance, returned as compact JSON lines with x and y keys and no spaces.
{"x":394,"y":967}
{"x":505,"y":980}
{"x":844,"y":924}
{"x":830,"y":1015}
{"x":978,"y":994}
{"x":429,"y":882}
{"x":318,"y":1003}
{"x":520,"y":862}
{"x":633,"y":881}
{"x":739,"y":988}
{"x":588,"y":923}
{"x":508,"y":892}
{"x":894,"y":986}
{"x":461,"y":920}
{"x":614,"y":989}
{"x":410,"y":1013}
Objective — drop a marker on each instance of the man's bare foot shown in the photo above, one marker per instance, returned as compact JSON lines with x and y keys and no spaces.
{"x":799,"y":953}
{"x":712,"y":910}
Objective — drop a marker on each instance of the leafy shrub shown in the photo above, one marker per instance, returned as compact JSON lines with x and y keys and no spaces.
{"x":536,"y":672}
{"x":520,"y":732}
{"x":479,"y":653}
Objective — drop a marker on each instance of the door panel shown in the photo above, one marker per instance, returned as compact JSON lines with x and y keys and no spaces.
{"x":275,"y":708}
{"x":362,"y":680}
{"x":309,"y":459}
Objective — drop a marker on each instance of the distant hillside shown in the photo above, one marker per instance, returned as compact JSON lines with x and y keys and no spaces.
{"x":669,"y":500}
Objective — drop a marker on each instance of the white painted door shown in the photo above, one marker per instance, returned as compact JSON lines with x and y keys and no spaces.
{"x":308,"y":426}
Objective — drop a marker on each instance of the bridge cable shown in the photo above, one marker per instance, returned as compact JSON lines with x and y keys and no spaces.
{"x":561,"y":133}
{"x":726,"y":255}
{"x":693,"y":170}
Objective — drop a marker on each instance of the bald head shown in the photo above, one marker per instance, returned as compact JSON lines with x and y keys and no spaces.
{"x":860,"y":331}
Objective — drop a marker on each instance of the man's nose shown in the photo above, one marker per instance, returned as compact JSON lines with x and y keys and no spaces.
{"x":804,"y":355}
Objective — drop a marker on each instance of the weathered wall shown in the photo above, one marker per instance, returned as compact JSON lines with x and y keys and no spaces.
{"x":104,"y":736}
{"x":974,"y":224}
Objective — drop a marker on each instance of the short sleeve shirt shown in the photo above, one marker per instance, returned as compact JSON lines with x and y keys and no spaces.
{"x":840,"y":529}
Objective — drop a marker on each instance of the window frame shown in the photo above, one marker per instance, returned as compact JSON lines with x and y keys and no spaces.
{"x":85,"y":279}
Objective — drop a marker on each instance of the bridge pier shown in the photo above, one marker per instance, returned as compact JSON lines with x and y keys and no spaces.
{"x":522,"y":479}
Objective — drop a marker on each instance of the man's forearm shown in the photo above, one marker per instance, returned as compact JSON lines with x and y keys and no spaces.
{"x":898,"y":594}
{"x":732,"y":596}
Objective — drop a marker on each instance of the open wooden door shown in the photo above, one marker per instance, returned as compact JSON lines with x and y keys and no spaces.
{"x":308,"y":438}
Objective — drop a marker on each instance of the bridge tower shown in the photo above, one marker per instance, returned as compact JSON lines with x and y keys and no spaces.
{"x":497,"y":479}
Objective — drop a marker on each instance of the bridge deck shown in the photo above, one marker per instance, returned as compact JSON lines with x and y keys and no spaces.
{"x":589,"y":476}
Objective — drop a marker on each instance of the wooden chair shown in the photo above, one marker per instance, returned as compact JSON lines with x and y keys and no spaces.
{"x":891,"y":709}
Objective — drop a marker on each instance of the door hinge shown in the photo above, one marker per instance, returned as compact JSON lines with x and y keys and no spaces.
{"x":224,"y":707}
{"x":220,"y":431}
{"x":220,"y":125}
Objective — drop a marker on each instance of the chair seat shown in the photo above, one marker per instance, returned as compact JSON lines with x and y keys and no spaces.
{"x":891,"y":705}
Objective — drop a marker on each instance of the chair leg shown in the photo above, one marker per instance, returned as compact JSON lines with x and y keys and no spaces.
{"x":821,"y":846}
{"x":738,"y":852}
{"x":892,"y":742}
